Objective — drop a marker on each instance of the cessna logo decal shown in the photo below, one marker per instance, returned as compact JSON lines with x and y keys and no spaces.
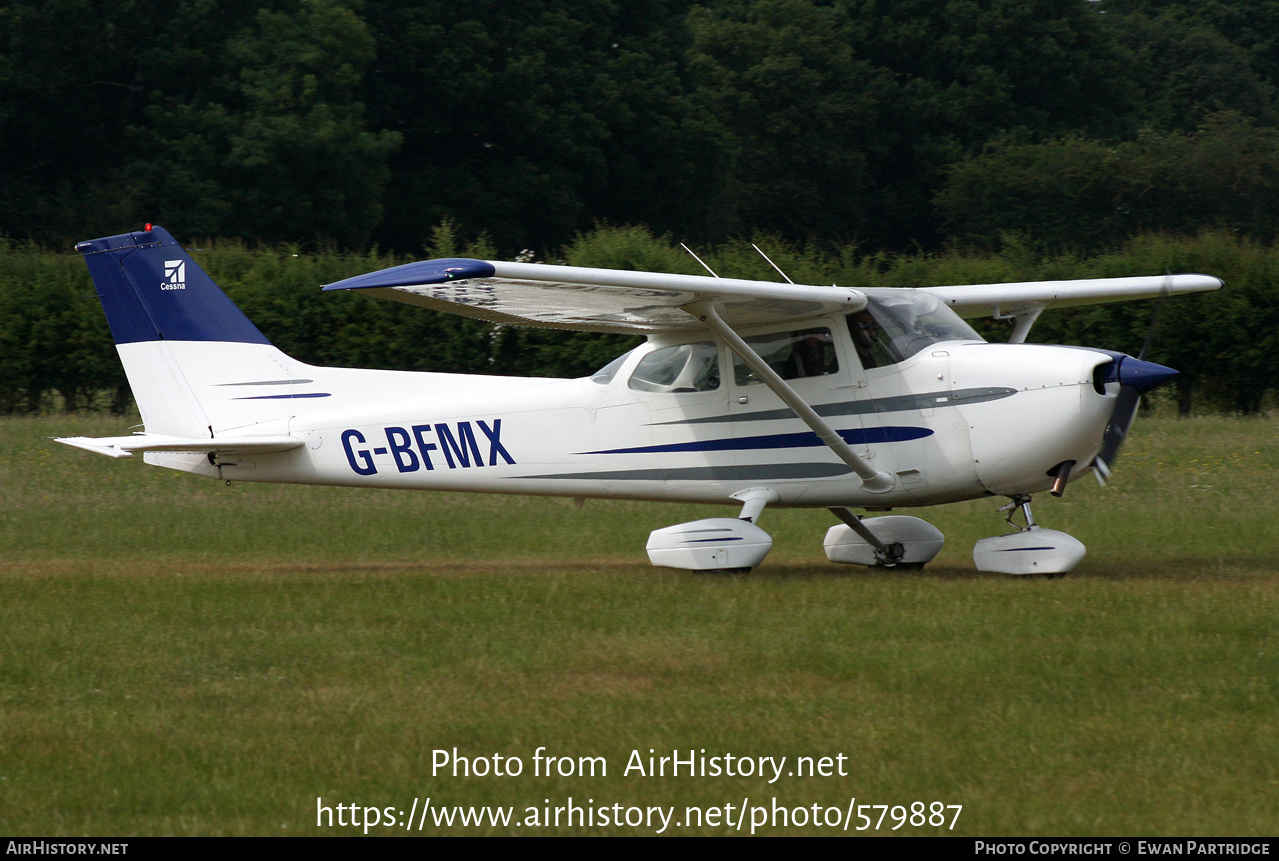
{"x":175,"y":275}
{"x":412,"y":448}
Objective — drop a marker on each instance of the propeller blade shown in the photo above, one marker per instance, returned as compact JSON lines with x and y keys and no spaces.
{"x":1121,"y":419}
{"x":1135,"y":377}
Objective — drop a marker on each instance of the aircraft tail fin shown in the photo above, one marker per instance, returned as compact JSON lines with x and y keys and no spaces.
{"x":197,"y":366}
{"x":152,"y":290}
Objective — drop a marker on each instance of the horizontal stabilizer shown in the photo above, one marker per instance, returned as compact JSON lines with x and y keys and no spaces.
{"x":125,"y":446}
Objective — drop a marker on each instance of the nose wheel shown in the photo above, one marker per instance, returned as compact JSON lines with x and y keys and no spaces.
{"x":1031,"y":550}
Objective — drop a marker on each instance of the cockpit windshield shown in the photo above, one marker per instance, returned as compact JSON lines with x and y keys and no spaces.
{"x":897,"y":324}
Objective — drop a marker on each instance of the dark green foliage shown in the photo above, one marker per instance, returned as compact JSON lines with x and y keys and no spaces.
{"x":852,"y":139}
{"x":275,"y":144}
{"x":55,"y":349}
{"x":367,"y":121}
{"x":528,"y":120}
{"x":785,"y":78}
{"x":1251,"y":25}
{"x":1187,"y":70}
{"x":226,"y":118}
{"x":1085,"y":194}
{"x":843,"y":115}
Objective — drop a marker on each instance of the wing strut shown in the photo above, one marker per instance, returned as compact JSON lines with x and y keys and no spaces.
{"x":872,"y":479}
{"x":1023,"y":319}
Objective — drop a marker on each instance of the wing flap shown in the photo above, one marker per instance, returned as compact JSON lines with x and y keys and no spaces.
{"x":125,"y":446}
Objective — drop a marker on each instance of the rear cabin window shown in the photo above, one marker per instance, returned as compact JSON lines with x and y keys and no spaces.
{"x":605,"y":375}
{"x":685,"y":368}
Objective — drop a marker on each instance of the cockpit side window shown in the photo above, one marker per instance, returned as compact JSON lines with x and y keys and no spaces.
{"x":874,"y":347}
{"x":793,"y":355}
{"x":683,"y":368}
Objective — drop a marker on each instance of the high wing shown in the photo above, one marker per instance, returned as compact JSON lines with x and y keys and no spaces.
{"x":979,"y":300}
{"x":611,"y":300}
{"x":1023,"y":301}
{"x":596,"y":300}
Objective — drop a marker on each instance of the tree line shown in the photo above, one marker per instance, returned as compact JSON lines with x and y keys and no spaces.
{"x":895,"y":126}
{"x":863,"y":142}
{"x":56,"y":350}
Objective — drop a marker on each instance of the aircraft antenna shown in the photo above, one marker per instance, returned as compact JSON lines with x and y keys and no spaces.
{"x":771,"y":263}
{"x":698,"y":259}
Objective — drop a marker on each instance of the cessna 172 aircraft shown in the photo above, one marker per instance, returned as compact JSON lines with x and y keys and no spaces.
{"x":746,"y":392}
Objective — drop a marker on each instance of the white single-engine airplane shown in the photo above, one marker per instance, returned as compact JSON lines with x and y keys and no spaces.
{"x":751,"y":392}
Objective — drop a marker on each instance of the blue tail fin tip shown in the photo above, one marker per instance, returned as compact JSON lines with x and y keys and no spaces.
{"x":151,"y":290}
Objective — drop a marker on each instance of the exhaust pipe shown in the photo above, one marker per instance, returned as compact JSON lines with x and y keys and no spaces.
{"x":1060,"y":473}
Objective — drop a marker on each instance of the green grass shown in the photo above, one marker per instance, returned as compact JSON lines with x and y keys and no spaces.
{"x":180,"y":657}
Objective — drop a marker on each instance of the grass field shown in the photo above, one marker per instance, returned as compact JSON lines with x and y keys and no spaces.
{"x":180,"y":657}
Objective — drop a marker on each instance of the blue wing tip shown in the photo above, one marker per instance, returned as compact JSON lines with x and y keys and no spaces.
{"x":439,"y":271}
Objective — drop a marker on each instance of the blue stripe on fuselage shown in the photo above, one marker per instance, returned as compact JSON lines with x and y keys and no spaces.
{"x":857,"y":436}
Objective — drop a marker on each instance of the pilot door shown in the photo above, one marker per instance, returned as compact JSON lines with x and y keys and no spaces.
{"x":811,"y":360}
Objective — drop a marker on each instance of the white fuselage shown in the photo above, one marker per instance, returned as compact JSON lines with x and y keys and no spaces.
{"x":955,"y":421}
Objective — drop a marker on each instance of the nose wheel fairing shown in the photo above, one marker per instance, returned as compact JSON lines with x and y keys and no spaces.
{"x":1034,"y":550}
{"x":1030,"y":550}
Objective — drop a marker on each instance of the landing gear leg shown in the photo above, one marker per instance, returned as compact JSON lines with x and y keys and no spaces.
{"x":1020,"y":501}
